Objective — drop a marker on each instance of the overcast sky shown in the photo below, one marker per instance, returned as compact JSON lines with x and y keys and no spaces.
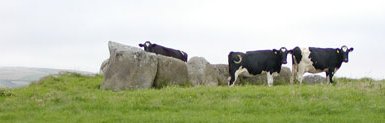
{"x":73,"y":34}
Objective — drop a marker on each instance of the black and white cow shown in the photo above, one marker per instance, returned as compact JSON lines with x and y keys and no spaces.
{"x":316,"y":60}
{"x":158,"y":49}
{"x":256,"y":62}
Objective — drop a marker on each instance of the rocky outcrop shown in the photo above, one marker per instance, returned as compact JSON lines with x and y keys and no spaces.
{"x":170,"y":71}
{"x":201,"y":72}
{"x":129,"y":68}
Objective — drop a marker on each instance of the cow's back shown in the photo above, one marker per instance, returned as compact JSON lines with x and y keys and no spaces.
{"x":158,"y":49}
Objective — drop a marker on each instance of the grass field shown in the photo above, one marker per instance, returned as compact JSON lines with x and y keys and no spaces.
{"x":74,"y":98}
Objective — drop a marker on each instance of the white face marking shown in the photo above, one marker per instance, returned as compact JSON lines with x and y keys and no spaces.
{"x":147,"y":44}
{"x":283,"y":50}
{"x":344,"y":49}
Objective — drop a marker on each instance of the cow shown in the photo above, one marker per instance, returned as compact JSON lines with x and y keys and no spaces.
{"x":256,"y":62}
{"x":317,"y":60}
{"x":158,"y":49}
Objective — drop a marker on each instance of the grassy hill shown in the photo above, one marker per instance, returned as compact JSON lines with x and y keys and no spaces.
{"x":76,"y":98}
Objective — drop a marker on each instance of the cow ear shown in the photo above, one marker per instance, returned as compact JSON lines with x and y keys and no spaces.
{"x":141,"y":45}
{"x":290,"y":51}
{"x":275,"y":51}
{"x":338,"y":51}
{"x":351,"y":49}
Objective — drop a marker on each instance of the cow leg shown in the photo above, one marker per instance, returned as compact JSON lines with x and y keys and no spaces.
{"x":236,"y":74}
{"x":300,"y":74}
{"x":331,"y":73}
{"x":327,"y":78}
{"x":233,"y":77}
{"x":269,"y":79}
{"x":293,"y":73}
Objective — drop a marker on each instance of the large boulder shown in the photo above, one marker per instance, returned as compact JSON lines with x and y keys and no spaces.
{"x":171,"y":71}
{"x":201,"y":72}
{"x":103,"y":67}
{"x":223,"y":72}
{"x":314,"y":79}
{"x":282,"y":78}
{"x":129,"y":68}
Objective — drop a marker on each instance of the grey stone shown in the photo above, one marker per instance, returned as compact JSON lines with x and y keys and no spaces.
{"x":171,"y":71}
{"x":313,"y":79}
{"x":201,"y":72}
{"x":129,"y":68}
{"x":223,"y":73}
{"x":103,"y":67}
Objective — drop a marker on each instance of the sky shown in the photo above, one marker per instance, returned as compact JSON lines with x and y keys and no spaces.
{"x":74,"y":34}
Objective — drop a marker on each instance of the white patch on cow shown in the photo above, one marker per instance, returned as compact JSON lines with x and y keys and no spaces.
{"x":240,"y":59}
{"x":269,"y":79}
{"x":183,"y":53}
{"x":238,"y":72}
{"x":147,"y":44}
{"x":305,"y":65}
{"x":283,"y":49}
{"x":345,"y":49}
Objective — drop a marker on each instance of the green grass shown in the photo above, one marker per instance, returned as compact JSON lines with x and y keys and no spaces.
{"x":75,"y":98}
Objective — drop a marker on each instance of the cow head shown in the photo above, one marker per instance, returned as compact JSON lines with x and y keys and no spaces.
{"x":344,"y":53}
{"x":282,"y":52}
{"x":146,"y":45}
{"x":235,"y":60}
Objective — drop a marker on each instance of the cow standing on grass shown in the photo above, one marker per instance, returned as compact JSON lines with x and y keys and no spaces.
{"x":316,"y":60}
{"x":158,"y":49}
{"x":256,"y":62}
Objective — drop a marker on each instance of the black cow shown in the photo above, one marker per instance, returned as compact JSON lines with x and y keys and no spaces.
{"x":158,"y":49}
{"x":316,"y":60}
{"x":256,"y":62}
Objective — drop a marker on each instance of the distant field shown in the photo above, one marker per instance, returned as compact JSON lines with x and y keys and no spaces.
{"x":74,"y":98}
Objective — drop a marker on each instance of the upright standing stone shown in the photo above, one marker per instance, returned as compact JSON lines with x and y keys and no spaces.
{"x":171,"y":71}
{"x":201,"y":72}
{"x":129,"y":68}
{"x":223,"y":72}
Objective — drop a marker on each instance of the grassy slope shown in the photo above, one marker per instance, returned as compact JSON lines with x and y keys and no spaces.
{"x":75,"y":98}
